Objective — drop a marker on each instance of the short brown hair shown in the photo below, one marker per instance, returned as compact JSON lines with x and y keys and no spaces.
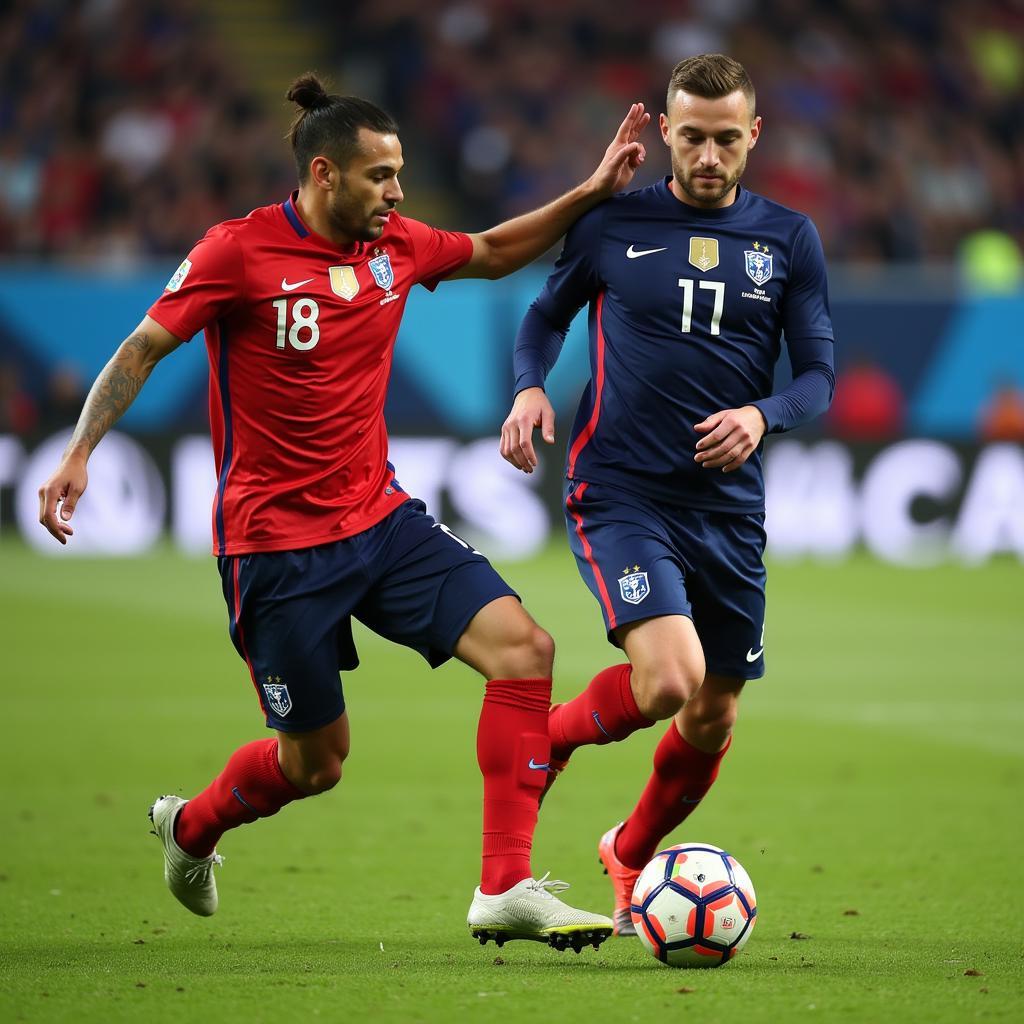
{"x":711,"y":75}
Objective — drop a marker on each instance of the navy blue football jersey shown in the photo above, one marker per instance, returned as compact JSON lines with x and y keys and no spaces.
{"x":688,"y":308}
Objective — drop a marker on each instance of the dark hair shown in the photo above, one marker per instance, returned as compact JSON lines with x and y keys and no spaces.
{"x":328,"y":125}
{"x":711,"y":75}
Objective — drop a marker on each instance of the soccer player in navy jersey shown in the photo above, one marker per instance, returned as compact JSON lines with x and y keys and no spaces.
{"x":691,"y":284}
{"x":301,"y":303}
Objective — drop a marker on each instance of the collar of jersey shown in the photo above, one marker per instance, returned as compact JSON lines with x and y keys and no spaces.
{"x":695,"y":212}
{"x":299,"y":226}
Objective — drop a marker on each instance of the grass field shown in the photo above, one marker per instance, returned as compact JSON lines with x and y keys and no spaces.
{"x":873,"y":792}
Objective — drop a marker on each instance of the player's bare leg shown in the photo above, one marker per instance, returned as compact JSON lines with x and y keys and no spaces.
{"x":515,"y":656}
{"x":666,"y":670}
{"x":311,"y":761}
{"x":686,"y":764}
{"x":666,"y":666}
{"x":259,"y":779}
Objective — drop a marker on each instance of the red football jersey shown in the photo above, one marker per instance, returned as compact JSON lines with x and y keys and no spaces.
{"x":300,"y":335}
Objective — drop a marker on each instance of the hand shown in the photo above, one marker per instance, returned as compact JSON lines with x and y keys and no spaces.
{"x":729,"y":438}
{"x":530,"y":409}
{"x":624,"y":155}
{"x":65,"y":487}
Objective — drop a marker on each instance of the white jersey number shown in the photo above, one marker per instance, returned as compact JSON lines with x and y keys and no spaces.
{"x":304,"y":314}
{"x":718,"y":287}
{"x":458,"y":540}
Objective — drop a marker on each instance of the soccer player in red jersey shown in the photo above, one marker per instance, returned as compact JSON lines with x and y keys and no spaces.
{"x":301,"y":303}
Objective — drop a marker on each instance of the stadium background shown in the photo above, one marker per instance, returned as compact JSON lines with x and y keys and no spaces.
{"x":896,"y":524}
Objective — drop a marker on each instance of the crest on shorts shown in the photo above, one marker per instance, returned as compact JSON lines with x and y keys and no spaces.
{"x":278,"y":698}
{"x":634,"y":587}
{"x":383,"y":274}
{"x":758,"y":264}
{"x":703,"y":253}
{"x":344,"y":282}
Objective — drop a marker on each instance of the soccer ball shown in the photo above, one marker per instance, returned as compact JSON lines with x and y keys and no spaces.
{"x":693,"y":906}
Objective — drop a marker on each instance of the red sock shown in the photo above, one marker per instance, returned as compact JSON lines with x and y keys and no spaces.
{"x":605,"y":711}
{"x":251,"y":786}
{"x":682,"y":775}
{"x":512,"y":736}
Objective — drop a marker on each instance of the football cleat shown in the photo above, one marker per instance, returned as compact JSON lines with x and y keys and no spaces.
{"x":189,"y":878}
{"x":531,"y":910}
{"x":623,"y":880}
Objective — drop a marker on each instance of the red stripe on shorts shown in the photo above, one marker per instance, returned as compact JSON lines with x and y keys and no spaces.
{"x":588,"y":553}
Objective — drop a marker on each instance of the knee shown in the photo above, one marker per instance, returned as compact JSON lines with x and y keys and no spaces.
{"x":663,"y":689}
{"x":319,"y":778}
{"x":710,"y":720}
{"x":317,"y":773}
{"x":529,"y":653}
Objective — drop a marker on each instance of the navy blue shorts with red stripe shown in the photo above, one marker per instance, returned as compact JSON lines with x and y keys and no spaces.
{"x":642,"y":560}
{"x":408,"y":578}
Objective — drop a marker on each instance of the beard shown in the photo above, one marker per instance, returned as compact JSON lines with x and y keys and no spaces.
{"x":706,"y":194}
{"x":350,"y":219}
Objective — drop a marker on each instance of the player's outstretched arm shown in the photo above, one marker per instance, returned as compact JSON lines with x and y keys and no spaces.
{"x":110,"y":395}
{"x":514,"y":243}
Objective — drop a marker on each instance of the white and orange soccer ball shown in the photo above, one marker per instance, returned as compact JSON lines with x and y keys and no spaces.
{"x":694,"y":906}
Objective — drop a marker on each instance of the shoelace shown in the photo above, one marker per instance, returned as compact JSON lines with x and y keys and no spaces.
{"x":548,"y":886}
{"x":201,"y":872}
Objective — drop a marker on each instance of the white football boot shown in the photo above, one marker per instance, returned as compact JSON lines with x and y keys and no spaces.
{"x":530,"y":910}
{"x":189,"y":878}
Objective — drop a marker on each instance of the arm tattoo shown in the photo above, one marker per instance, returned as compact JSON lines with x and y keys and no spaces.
{"x":113,"y":391}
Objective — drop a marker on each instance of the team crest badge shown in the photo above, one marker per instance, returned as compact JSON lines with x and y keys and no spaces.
{"x":179,"y":276}
{"x":380,"y":267}
{"x":704,"y":253}
{"x":278,"y":698}
{"x":344,"y":282}
{"x":634,"y":587}
{"x":758,"y":265}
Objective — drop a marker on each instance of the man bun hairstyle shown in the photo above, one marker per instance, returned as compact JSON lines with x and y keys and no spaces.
{"x":308,"y":91}
{"x":712,"y":76}
{"x":328,"y":125}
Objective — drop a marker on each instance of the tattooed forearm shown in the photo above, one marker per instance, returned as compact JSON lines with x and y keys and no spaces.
{"x":112,"y":392}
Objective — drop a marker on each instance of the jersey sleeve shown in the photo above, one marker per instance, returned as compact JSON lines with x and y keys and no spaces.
{"x":436,"y":253}
{"x":805,"y":309}
{"x":575,"y":280}
{"x":810,"y":392}
{"x":209,"y":284}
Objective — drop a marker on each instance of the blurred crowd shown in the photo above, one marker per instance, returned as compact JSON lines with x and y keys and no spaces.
{"x":894,"y":123}
{"x":125,"y":130}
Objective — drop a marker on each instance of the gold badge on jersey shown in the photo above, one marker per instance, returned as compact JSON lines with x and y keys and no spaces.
{"x":344,"y":282}
{"x":704,"y":253}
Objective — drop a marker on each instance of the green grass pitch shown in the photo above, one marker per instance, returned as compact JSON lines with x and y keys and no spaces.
{"x":873,"y":792}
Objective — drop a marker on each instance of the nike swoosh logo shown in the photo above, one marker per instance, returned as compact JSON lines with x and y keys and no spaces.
{"x":286,"y":287}
{"x":687,"y":800}
{"x":540,"y":767}
{"x":753,"y":655}
{"x":632,"y":253}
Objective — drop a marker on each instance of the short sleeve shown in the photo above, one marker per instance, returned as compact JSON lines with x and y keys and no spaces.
{"x":805,"y":309}
{"x":436,"y":253}
{"x":209,"y":284}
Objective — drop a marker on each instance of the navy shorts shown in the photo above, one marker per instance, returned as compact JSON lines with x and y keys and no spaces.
{"x":408,"y":578}
{"x":642,"y":560}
